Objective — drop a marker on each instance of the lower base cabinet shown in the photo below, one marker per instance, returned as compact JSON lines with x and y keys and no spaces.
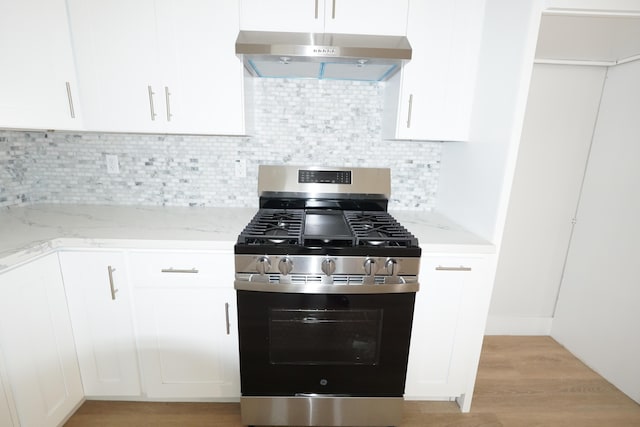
{"x":37,"y":344}
{"x":100,"y":308}
{"x":185,"y":314}
{"x":162,"y":325}
{"x":448,"y":328}
{"x":188,"y":343}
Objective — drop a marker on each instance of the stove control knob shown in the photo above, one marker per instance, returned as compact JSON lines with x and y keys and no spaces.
{"x":285,"y":265}
{"x":263,"y":265}
{"x":392,"y":267}
{"x":328,"y":266}
{"x":370,"y":267}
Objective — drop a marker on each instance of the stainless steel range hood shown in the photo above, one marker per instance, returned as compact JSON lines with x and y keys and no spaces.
{"x":322,"y":55}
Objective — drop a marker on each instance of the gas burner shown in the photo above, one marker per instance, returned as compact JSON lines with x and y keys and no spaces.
{"x":378,"y":229}
{"x":273,"y":226}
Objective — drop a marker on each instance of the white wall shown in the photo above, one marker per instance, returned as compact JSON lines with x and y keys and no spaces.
{"x":560,"y":117}
{"x":475,"y":177}
{"x":519,"y":308}
{"x":598,"y":312}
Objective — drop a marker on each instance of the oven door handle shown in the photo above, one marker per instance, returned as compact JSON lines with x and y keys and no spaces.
{"x":315,"y":288}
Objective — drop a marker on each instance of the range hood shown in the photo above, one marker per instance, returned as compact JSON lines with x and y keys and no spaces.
{"x":322,"y":55}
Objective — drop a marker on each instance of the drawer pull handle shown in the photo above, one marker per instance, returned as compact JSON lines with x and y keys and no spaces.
{"x":179,"y":270}
{"x":111,"y":284}
{"x":461,"y":268}
{"x":226,"y":314}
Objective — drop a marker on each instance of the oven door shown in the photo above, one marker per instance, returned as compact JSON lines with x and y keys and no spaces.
{"x":324,"y":344}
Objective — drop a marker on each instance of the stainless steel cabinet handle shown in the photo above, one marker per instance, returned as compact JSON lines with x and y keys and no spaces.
{"x":226,"y":314}
{"x":333,"y":10}
{"x":410,"y":111}
{"x":111,"y":284}
{"x":70,"y":98}
{"x":167,"y":94}
{"x":316,"y":14}
{"x":179,"y":270}
{"x":151,"y":107}
{"x":461,"y":268}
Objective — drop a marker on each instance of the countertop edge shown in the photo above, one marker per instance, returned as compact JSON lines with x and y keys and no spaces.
{"x":37,"y":230}
{"x":43,"y":248}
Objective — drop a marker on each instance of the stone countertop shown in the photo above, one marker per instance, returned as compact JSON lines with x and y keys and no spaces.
{"x":28,"y":231}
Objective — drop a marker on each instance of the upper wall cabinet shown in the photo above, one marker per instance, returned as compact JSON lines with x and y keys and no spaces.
{"x":384,"y":17}
{"x":37,"y":75}
{"x":432,"y":97}
{"x":159,"y":65}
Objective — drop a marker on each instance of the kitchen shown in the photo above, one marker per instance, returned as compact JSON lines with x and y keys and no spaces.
{"x":468,"y":183}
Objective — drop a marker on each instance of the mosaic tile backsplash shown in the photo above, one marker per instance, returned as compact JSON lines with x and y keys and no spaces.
{"x":297,"y":122}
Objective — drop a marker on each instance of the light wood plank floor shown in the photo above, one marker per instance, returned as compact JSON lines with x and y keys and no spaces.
{"x":522,"y":382}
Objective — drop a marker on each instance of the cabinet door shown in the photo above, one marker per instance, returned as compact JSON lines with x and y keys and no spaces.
{"x":185,"y":311}
{"x":305,"y":16}
{"x":432,"y":97}
{"x":115,"y":44}
{"x":188,"y":342}
{"x":102,"y":322}
{"x":379,"y":17}
{"x":37,"y":76}
{"x":37,"y":343}
{"x":159,"y":65}
{"x":447,"y":327}
{"x":202,"y":78}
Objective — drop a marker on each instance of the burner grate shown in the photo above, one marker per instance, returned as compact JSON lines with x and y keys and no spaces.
{"x":274,"y":226}
{"x":373,"y":228}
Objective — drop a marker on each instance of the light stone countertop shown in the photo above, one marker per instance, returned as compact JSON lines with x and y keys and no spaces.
{"x":29,"y":231}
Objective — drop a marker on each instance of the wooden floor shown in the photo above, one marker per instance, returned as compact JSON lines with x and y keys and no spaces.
{"x":522,"y":382}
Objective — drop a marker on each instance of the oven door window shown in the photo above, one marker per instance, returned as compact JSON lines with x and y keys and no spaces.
{"x":325,"y":337}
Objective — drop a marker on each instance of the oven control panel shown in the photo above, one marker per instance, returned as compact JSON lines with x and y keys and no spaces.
{"x":306,"y":176}
{"x":303,"y":274}
{"x":307,"y":181}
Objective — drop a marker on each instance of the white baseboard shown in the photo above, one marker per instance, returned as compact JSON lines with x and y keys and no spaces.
{"x":511,"y":325}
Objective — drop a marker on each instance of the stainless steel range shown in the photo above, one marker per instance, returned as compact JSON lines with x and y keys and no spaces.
{"x":326,"y":281}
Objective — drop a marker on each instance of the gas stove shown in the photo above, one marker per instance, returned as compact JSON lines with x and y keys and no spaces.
{"x":327,"y":226}
{"x":326,"y":281}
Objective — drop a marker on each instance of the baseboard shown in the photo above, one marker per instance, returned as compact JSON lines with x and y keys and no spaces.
{"x":512,"y":325}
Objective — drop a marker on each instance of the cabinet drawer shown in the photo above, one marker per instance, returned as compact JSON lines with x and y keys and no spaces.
{"x":182,"y":269}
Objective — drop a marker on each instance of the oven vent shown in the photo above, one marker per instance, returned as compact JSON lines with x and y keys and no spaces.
{"x":355,"y":279}
{"x":298,"y":279}
{"x":338,"y":279}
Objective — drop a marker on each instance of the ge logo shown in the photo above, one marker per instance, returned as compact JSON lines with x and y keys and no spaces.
{"x":324,"y":382}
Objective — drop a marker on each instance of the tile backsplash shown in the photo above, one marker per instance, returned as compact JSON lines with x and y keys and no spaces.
{"x":298,"y":122}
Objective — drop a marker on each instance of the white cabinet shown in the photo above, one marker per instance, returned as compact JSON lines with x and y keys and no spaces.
{"x":159,"y":65}
{"x":449,"y":316}
{"x":382,"y":17}
{"x":99,"y":301}
{"x":38,"y":88}
{"x":432,"y":97}
{"x":186,"y":323}
{"x":37,"y":344}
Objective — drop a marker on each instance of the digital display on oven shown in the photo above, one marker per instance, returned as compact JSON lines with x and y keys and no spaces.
{"x":323,"y":177}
